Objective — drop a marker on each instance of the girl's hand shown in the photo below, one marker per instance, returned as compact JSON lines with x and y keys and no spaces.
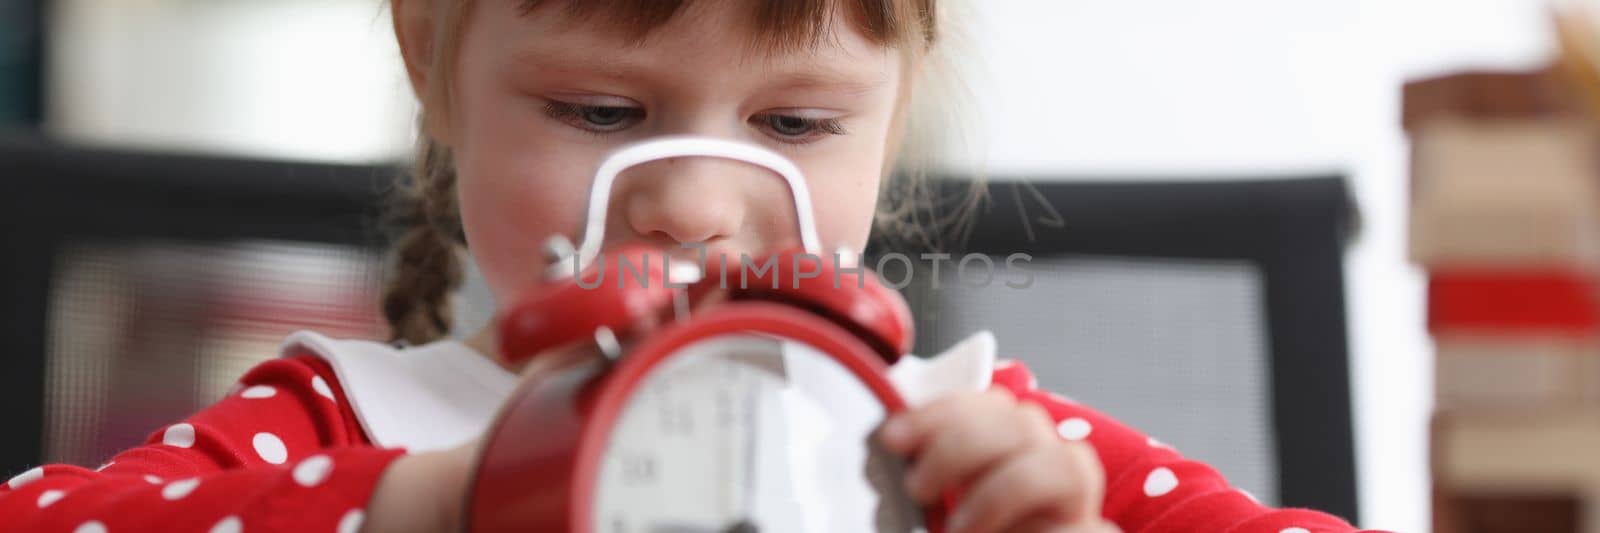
{"x":422,"y":492}
{"x":1010,"y":469}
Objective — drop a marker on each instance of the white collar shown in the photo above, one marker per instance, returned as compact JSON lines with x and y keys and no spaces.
{"x":442,"y":394}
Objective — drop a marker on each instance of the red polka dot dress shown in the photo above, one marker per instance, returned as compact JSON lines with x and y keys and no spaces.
{"x":295,"y":448}
{"x":281,"y":453}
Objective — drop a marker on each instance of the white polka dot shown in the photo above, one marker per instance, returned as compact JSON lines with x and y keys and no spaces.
{"x":1156,"y":443}
{"x":92,"y":526}
{"x":312,"y":471}
{"x":1252,"y":497}
{"x":105,"y":466}
{"x":1160,"y":482}
{"x":321,"y":386}
{"x":152,"y":479}
{"x":258,"y":392}
{"x":180,"y":435}
{"x":178,"y":489}
{"x":1074,"y":428}
{"x":1293,"y":530}
{"x":228,"y":525}
{"x":1004,"y":364}
{"x":50,"y":496}
{"x":32,"y":475}
{"x":351,"y":523}
{"x":270,"y":448}
{"x":1033,"y":383}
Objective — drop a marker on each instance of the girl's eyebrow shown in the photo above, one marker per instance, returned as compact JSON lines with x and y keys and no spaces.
{"x":808,"y":75}
{"x":539,"y":60}
{"x":830,"y":79}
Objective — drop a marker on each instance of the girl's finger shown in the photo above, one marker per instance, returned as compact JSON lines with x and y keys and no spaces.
{"x":908,"y":432}
{"x":1098,"y":526}
{"x":1062,"y":481}
{"x":966,"y":446}
{"x":1041,"y":523}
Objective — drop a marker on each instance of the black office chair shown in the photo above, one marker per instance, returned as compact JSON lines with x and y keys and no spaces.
{"x":1209,"y":314}
{"x":137,"y":287}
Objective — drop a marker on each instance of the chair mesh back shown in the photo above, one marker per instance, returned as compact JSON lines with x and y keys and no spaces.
{"x":1177,"y":349}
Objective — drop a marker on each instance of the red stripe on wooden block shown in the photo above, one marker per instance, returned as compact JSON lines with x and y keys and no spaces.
{"x":1532,"y":301}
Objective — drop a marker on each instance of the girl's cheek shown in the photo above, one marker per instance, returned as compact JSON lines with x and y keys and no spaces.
{"x":845,"y":196}
{"x":512,"y":200}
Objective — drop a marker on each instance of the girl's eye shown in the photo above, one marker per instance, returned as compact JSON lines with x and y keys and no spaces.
{"x":604,"y":116}
{"x":791,"y":126}
{"x":597,"y":119}
{"x":800,"y":130}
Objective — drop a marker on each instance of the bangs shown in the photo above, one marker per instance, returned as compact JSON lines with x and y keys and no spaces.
{"x":774,"y":25}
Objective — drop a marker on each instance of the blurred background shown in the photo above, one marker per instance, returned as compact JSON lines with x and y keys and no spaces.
{"x":1122,"y":91}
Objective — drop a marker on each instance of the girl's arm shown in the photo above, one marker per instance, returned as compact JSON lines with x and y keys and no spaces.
{"x":283,"y":452}
{"x":422,"y":493}
{"x":1149,"y":487}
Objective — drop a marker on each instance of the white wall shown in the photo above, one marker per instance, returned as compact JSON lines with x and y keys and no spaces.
{"x":1124,"y":87}
{"x":313,"y":79}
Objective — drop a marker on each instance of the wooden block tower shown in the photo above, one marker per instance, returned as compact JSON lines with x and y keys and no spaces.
{"x":1505,"y":219}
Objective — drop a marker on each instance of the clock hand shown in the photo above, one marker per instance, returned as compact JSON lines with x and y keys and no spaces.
{"x":751,"y":431}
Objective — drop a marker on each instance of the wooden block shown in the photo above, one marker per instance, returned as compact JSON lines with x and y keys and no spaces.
{"x":1507,"y":239}
{"x":1556,"y":302}
{"x":1504,"y":373}
{"x":1512,"y":165}
{"x":1517,"y":451}
{"x":1507,"y":192}
{"x":1516,"y":471}
{"x":1578,"y":34}
{"x":1457,"y":512}
{"x":1487,"y":95}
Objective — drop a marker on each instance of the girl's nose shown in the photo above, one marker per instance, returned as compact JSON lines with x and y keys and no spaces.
{"x":687,"y":200}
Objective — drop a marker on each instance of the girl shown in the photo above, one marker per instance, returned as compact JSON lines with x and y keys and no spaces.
{"x":520,"y":99}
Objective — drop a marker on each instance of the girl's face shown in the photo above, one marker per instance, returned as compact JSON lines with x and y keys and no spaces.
{"x":540,"y":100}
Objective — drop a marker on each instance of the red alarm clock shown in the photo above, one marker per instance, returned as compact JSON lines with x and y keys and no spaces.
{"x":756,"y":413}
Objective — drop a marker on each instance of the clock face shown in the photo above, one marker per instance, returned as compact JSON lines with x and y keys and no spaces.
{"x":746,"y":433}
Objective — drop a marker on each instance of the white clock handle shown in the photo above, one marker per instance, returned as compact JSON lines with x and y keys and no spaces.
{"x":689,"y":146}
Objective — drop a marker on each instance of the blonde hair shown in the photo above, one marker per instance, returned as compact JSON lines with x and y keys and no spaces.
{"x":427,"y":267}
